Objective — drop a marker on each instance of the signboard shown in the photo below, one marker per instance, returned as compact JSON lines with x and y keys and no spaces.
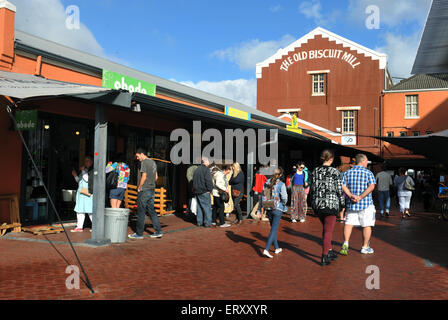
{"x":232,"y":112}
{"x":118,"y":81}
{"x":320,"y":54}
{"x":348,"y":140}
{"x":26,"y":119}
{"x":294,"y":127}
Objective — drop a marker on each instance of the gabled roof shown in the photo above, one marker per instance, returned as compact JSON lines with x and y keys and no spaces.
{"x":422,"y":82}
{"x":331,"y":37}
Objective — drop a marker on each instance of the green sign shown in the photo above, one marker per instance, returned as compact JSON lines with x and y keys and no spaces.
{"x":26,"y":119}
{"x":118,"y":81}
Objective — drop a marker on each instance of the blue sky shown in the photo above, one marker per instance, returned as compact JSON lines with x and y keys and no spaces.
{"x":214,"y":45}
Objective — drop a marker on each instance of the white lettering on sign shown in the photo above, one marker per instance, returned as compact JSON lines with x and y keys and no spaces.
{"x":320,"y":54}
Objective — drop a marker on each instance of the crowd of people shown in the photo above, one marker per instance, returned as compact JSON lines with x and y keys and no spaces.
{"x":341,"y":194}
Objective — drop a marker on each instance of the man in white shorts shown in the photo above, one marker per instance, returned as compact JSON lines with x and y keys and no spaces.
{"x":358,"y":184}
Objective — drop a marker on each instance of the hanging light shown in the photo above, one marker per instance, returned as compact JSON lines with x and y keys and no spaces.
{"x":47,"y":126}
{"x":77,"y":133}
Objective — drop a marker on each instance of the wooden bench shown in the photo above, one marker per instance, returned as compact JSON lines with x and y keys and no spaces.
{"x":160,"y":201}
{"x":14,"y":215}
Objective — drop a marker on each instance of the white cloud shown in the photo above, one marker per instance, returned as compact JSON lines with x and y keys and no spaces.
{"x":247,"y":54}
{"x":241,"y":90}
{"x":46,"y":19}
{"x":392,"y":13}
{"x":401,"y":51}
{"x":311,"y":9}
{"x":275,"y":8}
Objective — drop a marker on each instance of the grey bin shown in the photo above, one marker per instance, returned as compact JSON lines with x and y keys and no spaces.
{"x":116,"y":224}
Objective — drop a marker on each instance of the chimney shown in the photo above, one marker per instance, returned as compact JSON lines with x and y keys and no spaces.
{"x":7,"y":13}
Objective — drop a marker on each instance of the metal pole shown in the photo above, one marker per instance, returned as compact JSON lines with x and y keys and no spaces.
{"x":99,"y":177}
{"x":249,"y":182}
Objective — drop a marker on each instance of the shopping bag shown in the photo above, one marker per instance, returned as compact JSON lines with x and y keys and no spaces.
{"x":194,"y":205}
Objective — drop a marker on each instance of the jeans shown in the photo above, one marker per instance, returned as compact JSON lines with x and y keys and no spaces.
{"x":236,"y":203}
{"x":274,"y":220}
{"x":328,"y":223}
{"x":384,"y":198}
{"x":145,"y":203}
{"x":218,"y":210}
{"x":204,"y":209}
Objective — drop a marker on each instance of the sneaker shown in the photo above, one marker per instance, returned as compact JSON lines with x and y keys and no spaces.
{"x":302,"y":220}
{"x":213,"y":223}
{"x":277,"y":251}
{"x":344,"y":250}
{"x":135,"y":236}
{"x":267,"y":254}
{"x":156,"y":235}
{"x":77,"y":230}
{"x":367,"y":250}
{"x":225,"y":225}
{"x":294,"y":220}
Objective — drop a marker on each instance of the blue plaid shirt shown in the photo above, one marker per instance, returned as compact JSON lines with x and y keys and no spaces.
{"x":357,"y":180}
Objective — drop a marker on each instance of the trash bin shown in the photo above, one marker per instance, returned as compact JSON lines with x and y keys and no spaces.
{"x":116,"y":224}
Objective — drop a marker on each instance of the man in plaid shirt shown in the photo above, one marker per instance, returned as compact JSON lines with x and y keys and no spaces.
{"x":358,"y":184}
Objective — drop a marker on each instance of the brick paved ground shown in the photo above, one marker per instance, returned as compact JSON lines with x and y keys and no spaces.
{"x":199,"y":263}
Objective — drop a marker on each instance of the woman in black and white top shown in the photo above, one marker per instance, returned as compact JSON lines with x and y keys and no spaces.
{"x":327,"y":200}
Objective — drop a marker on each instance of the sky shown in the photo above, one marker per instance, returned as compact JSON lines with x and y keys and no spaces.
{"x":214,"y":45}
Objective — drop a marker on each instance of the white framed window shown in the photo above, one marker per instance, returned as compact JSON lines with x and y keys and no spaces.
{"x":348,"y":121}
{"x":318,"y":84}
{"x":415,"y":133}
{"x":411,"y":107}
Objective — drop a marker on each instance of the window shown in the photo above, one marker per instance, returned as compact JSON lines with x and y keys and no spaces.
{"x":415,"y":133}
{"x":403,"y":134}
{"x":390,"y":134}
{"x":348,"y":121}
{"x":428,"y":132}
{"x":411,"y":107}
{"x":318,"y":84}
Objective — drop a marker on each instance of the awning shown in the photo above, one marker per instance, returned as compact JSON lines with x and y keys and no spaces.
{"x":25,"y":86}
{"x":432,"y":54}
{"x":174,"y":108}
{"x":433,"y":146}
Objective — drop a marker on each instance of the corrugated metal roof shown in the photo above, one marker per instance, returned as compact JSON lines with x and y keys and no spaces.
{"x":432,"y":54}
{"x":54,"y":50}
{"x":422,"y":81}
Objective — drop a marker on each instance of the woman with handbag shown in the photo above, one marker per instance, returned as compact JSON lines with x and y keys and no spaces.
{"x":405,"y":186}
{"x":273,"y":201}
{"x":117,"y":177}
{"x":220,"y":195}
{"x":84,"y":199}
{"x":237,"y":183}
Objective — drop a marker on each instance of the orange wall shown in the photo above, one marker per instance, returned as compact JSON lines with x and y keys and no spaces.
{"x":433,"y":116}
{"x":10,"y":162}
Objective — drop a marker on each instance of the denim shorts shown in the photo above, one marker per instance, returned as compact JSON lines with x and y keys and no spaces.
{"x":117,"y":193}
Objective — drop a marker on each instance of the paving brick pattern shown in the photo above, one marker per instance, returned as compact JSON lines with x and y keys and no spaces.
{"x":215,"y":263}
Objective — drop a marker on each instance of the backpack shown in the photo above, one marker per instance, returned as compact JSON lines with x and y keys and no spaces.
{"x":112,"y":179}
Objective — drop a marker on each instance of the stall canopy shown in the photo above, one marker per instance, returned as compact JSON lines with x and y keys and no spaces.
{"x":433,"y":146}
{"x":432,"y":54}
{"x":26,"y":87}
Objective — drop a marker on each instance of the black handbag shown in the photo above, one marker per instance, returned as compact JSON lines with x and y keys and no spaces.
{"x":112,"y":180}
{"x":224,"y":196}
